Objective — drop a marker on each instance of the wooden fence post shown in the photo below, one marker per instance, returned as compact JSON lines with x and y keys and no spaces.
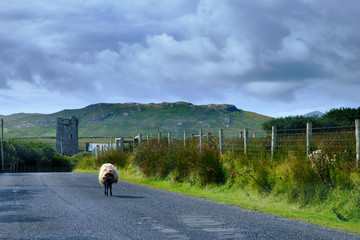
{"x":185,"y":137}
{"x":159,"y":137}
{"x":133,"y":145}
{"x":246,"y":140}
{"x":241,"y":135}
{"x":117,"y":145}
{"x":97,"y":152}
{"x":122,"y":147}
{"x":200,"y":140}
{"x":169,"y":138}
{"x":140,"y":139}
{"x":308,"y":137}
{"x":273,"y":140}
{"x":221,"y":141}
{"x":357,"y":136}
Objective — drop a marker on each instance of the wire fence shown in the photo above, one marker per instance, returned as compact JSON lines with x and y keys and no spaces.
{"x":339,"y":141}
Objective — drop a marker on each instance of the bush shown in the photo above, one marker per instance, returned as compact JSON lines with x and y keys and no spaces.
{"x":324,"y":167}
{"x":117,"y":158}
{"x":262,"y":175}
{"x":185,"y":160}
{"x":210,"y":167}
{"x":153,"y":159}
{"x":84,"y":160}
{"x":34,"y":154}
{"x":303,"y":185}
{"x":185,"y":163}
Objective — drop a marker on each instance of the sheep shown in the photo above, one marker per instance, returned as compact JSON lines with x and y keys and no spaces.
{"x":107,"y":176}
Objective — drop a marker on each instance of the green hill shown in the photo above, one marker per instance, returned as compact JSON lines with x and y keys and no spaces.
{"x":129,"y":119}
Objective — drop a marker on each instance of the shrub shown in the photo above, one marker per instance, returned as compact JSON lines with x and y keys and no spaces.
{"x":117,"y":158}
{"x":185,"y":160}
{"x":210,"y":167}
{"x":262,"y":174}
{"x":153,"y":159}
{"x":324,"y":167}
{"x":85,"y":161}
{"x":34,"y":153}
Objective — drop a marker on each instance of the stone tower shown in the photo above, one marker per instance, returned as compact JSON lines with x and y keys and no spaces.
{"x":67,"y":136}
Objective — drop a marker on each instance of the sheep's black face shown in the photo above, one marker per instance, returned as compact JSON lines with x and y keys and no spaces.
{"x":109,"y":180}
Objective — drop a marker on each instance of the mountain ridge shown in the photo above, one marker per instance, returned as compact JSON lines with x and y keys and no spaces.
{"x":129,"y":119}
{"x":314,"y":114}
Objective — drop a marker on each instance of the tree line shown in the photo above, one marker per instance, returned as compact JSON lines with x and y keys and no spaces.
{"x":341,"y":117}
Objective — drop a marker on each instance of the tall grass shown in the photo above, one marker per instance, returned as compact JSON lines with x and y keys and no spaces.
{"x":182,"y":163}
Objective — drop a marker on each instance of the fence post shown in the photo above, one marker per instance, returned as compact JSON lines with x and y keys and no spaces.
{"x":122,"y":148}
{"x":140,"y":139}
{"x":185,"y":137}
{"x":117,"y":146}
{"x":159,"y":137}
{"x":308,"y":137}
{"x":273,"y":140}
{"x":357,"y":136}
{"x":246,"y":140}
{"x":221,"y":141}
{"x":97,"y":151}
{"x":169,"y":138}
{"x":147,"y":137}
{"x":200,"y":140}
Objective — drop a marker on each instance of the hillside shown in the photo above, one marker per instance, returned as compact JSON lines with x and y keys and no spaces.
{"x":128,"y":119}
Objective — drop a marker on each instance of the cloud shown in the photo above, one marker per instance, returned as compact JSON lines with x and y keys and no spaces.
{"x":201,"y":51}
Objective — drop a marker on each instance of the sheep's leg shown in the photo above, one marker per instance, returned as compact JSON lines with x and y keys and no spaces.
{"x":105,"y":188}
{"x":110,"y":189}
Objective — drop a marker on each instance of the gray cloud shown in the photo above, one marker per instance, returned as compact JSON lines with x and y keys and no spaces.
{"x":202,"y":50}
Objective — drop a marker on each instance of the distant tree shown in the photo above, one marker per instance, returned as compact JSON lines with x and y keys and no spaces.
{"x":293,"y":124}
{"x":343,"y":116}
{"x":334,"y":118}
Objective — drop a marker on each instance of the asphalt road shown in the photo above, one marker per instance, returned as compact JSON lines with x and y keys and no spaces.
{"x":73,"y":206}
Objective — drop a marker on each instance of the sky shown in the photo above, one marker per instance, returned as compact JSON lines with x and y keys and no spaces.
{"x":273,"y":57}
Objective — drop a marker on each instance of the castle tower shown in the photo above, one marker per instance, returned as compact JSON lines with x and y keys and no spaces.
{"x":67,"y":136}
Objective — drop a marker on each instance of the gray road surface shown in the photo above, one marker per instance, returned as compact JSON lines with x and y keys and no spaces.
{"x":73,"y":206}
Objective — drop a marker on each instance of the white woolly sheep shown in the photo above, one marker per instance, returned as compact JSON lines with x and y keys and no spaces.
{"x":107,"y":176}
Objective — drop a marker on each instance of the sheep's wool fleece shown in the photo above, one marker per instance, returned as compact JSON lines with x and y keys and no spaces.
{"x":108,"y":168}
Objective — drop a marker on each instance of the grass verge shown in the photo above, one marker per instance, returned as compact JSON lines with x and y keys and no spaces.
{"x":246,"y":198}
